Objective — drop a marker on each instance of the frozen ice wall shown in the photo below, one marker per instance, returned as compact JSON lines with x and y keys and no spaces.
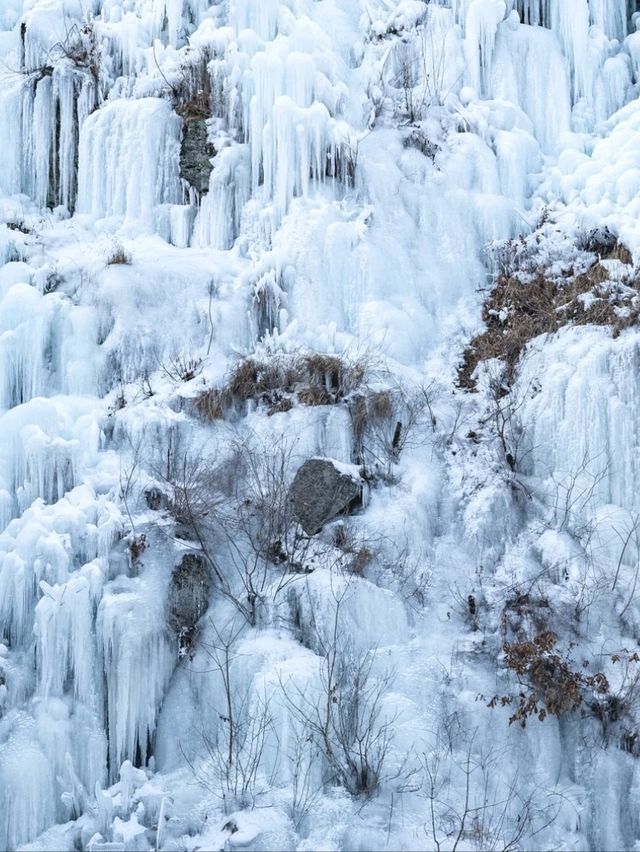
{"x":185,"y":183}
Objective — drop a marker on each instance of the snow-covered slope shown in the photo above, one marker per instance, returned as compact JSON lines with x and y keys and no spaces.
{"x":238,"y":234}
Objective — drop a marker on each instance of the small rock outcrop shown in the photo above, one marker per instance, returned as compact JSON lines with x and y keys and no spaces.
{"x":195,"y":154}
{"x":155,"y":499}
{"x":188,"y":598}
{"x":321,"y":490}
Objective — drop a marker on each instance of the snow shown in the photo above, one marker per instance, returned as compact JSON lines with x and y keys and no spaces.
{"x":367,"y":155}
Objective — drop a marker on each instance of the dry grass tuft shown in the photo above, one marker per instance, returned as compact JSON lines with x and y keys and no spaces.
{"x":211,"y":404}
{"x":282,"y":381}
{"x":118,"y":256}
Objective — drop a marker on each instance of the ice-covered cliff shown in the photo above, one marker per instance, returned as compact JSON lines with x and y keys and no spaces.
{"x":397,"y":234}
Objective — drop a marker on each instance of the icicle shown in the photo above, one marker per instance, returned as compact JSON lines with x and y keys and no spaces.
{"x":74,"y":743}
{"x":527,"y":64}
{"x":296,"y":142}
{"x":66,"y":145}
{"x":128,"y":162}
{"x":11,"y":103}
{"x":610,"y":16}
{"x":65,"y":646}
{"x":137,"y":661}
{"x":27,"y":786}
{"x":42,"y":138}
{"x":481,"y":25}
{"x":171,"y":12}
{"x":218,"y":222}
{"x":586,"y":414}
{"x":571,"y":24}
{"x":261,"y":17}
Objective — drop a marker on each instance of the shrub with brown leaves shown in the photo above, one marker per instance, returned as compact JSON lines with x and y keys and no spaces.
{"x":551,"y":685}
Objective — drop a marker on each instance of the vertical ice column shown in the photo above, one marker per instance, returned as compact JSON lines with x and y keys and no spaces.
{"x":170,"y":11}
{"x":39,"y":139}
{"x":128,"y":162}
{"x":39,"y":122}
{"x":532,"y":12}
{"x":481,"y":25}
{"x":138,"y":661}
{"x":570,"y":22}
{"x":218,"y":221}
{"x":262,"y":17}
{"x":268,"y":84}
{"x":610,"y":16}
{"x":65,"y":643}
{"x":11,"y":100}
{"x":295,"y":146}
{"x":528,"y":64}
{"x":65,"y":145}
{"x":27,"y":785}
{"x":25,"y":322}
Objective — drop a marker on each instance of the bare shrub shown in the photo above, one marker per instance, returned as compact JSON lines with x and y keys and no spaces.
{"x":514,"y":314}
{"x":183,"y":366}
{"x":265,"y":547}
{"x":505,"y":419}
{"x":388,"y":421}
{"x":235,"y":752}
{"x":347,"y":722}
{"x":195,"y":492}
{"x":304,"y":792}
{"x":117,"y":255}
{"x":509,"y":258}
{"x":571,"y":494}
{"x":80,"y":47}
{"x":358,"y":552}
{"x":471,"y":803}
{"x":237,"y":510}
{"x":211,"y":404}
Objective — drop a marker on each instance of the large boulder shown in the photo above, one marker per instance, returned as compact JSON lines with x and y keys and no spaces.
{"x":321,"y":490}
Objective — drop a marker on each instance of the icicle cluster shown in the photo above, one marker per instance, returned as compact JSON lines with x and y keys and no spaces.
{"x":359,"y":158}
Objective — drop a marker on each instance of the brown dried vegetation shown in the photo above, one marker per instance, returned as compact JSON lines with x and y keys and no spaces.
{"x":517,"y":311}
{"x":193,"y":94}
{"x":118,"y":256}
{"x":551,"y":686}
{"x":280,"y":382}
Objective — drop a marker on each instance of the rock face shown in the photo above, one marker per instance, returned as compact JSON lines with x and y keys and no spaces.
{"x":195,"y":154}
{"x":188,"y":595}
{"x":321,"y":490}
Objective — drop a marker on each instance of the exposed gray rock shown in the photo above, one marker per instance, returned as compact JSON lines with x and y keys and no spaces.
{"x":188,"y":595}
{"x":195,"y":154}
{"x":321,"y":490}
{"x":155,"y":499}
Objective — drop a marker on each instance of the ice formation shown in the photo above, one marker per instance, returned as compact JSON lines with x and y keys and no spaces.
{"x":362,"y":156}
